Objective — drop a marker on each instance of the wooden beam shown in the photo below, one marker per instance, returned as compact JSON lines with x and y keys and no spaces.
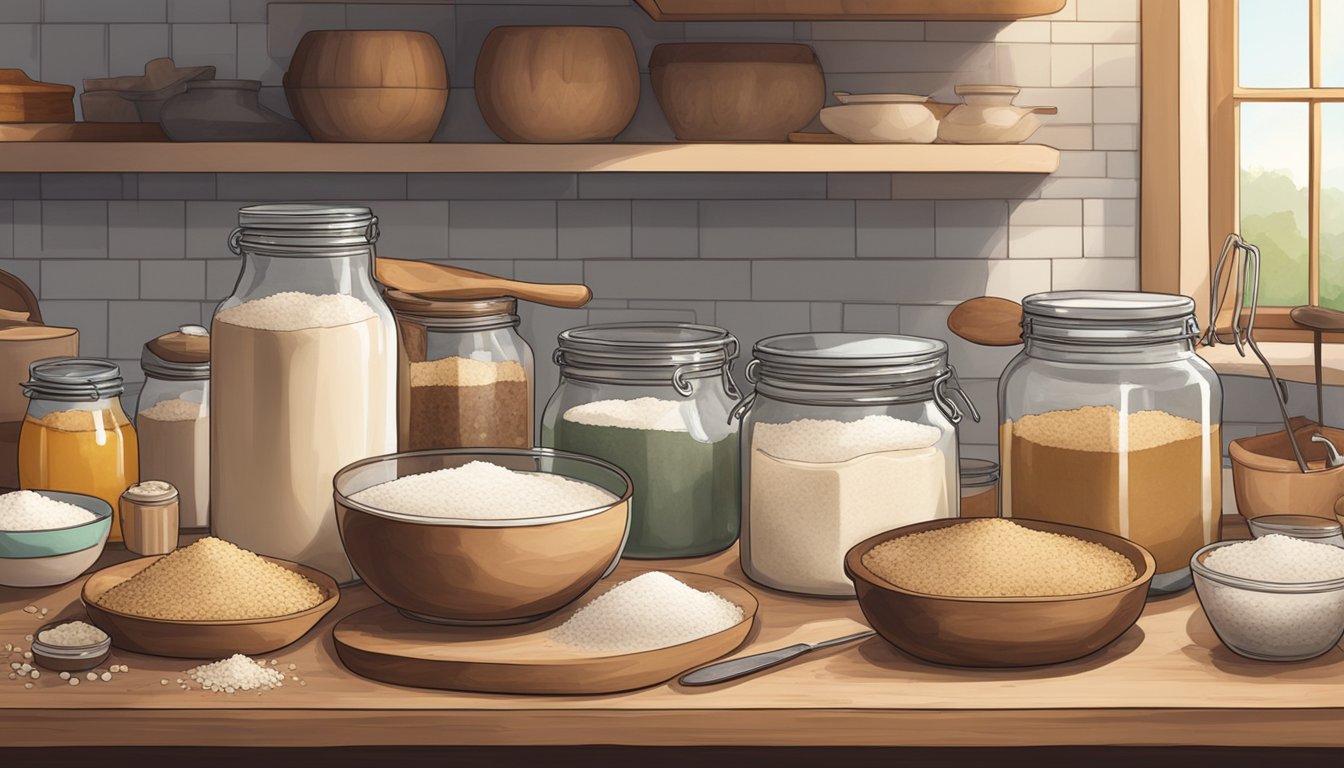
{"x":1160,"y":139}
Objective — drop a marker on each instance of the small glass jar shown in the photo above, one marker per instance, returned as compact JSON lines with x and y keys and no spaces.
{"x":1110,"y":421}
{"x":465,"y":374}
{"x":150,"y":517}
{"x":846,"y":436}
{"x":76,"y":437}
{"x":172,"y":419}
{"x":979,"y":488}
{"x":303,"y":365}
{"x":654,"y":399}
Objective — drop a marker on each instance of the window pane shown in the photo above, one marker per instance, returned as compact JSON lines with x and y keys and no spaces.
{"x":1332,"y":43}
{"x":1274,"y":48}
{"x":1332,"y":205}
{"x":1273,"y":191}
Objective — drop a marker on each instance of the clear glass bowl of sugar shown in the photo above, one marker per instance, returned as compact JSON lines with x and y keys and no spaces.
{"x":1269,"y":620}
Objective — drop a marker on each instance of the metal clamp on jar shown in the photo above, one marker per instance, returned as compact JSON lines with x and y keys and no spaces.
{"x":1110,"y":421}
{"x":654,"y":399}
{"x":846,"y":436}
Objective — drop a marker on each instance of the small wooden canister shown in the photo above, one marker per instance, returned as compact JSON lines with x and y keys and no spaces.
{"x":149,"y":518}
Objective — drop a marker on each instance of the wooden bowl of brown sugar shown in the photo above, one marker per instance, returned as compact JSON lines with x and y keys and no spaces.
{"x":1054,"y":613}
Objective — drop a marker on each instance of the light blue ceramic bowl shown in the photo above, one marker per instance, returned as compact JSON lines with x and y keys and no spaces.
{"x":61,"y":541}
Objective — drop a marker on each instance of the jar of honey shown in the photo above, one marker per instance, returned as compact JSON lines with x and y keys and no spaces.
{"x":75,"y":436}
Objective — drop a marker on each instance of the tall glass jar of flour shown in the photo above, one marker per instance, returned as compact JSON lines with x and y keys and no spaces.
{"x":172,"y":419}
{"x":847,"y":435}
{"x":1111,"y":421}
{"x":654,"y":399}
{"x":304,"y":365}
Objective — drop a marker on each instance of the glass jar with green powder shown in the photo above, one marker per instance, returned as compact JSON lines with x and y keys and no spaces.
{"x":654,"y":399}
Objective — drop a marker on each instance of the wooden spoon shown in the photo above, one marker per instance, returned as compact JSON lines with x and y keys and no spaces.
{"x":437,"y":281}
{"x":987,"y":320}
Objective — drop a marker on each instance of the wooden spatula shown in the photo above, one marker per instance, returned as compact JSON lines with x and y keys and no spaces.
{"x":437,"y":281}
{"x":987,"y":320}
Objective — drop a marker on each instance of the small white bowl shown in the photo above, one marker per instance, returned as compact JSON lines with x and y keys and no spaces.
{"x":882,"y":122}
{"x":845,"y":97}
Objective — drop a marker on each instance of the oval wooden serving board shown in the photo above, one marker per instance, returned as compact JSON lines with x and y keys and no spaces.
{"x":381,"y":644}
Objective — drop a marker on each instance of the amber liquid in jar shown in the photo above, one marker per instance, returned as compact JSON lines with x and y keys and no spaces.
{"x":91,"y":452}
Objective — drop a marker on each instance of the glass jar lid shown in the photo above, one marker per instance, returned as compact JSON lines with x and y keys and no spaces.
{"x":1102,"y":317}
{"x":1296,"y":527}
{"x":646,"y":352}
{"x":978,"y":473}
{"x":457,"y":314}
{"x":73,"y":379}
{"x":182,"y":355}
{"x":304,"y":229}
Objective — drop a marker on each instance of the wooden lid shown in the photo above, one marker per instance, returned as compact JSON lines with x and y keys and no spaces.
{"x":22,"y":330}
{"x":16,"y":81}
{"x":182,"y":347}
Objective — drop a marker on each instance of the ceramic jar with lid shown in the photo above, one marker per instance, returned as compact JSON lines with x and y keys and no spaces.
{"x":173,"y":418}
{"x":846,"y":435}
{"x":225,"y":110}
{"x":465,"y":374}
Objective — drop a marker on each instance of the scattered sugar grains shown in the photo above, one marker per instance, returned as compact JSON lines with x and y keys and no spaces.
{"x":653,"y":610}
{"x":650,"y":413}
{"x":72,"y":634}
{"x":1280,"y":559}
{"x":294,"y":311}
{"x":236,"y":673}
{"x":998,"y":558}
{"x":464,"y":372}
{"x":30,"y":511}
{"x":480,"y":490}
{"x":818,"y":440}
{"x":212,"y":580}
{"x":175,"y":409}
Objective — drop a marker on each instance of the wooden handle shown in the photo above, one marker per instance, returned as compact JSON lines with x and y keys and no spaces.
{"x":987,"y":320}
{"x":1045,"y":110}
{"x":437,"y":281}
{"x":1318,"y":318}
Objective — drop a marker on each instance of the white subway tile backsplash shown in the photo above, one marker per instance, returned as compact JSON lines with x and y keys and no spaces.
{"x":858,"y":186}
{"x":776,"y":229}
{"x":1117,"y":105}
{"x":1110,"y":213}
{"x":665,"y":229}
{"x":1075,"y":104}
{"x":548,"y":271}
{"x":60,"y":229}
{"x":198,"y":11}
{"x":672,"y":279}
{"x":502,"y":230}
{"x":862,"y":56}
{"x":146,"y":229}
{"x":132,"y":323}
{"x":703,"y":310}
{"x":248,"y":11}
{"x":208,"y":227}
{"x":221,"y":275}
{"x":827,"y":316}
{"x":971,"y":229}
{"x":413,"y":229}
{"x":1024,"y":65}
{"x":29,"y":271}
{"x":593,"y":229}
{"x":288,"y":22}
{"x":356,"y":187}
{"x":1116,"y":65}
{"x":1108,"y":10}
{"x":1048,"y":213}
{"x":6,"y":229}
{"x":180,"y":279}
{"x":67,"y":11}
{"x":196,"y":45}
{"x":1108,"y":274}
{"x":869,"y":30}
{"x":751,"y":321}
{"x":90,"y":317}
{"x":1027,"y":31}
{"x":872,"y":318}
{"x":90,"y":279}
{"x":897,"y":281}
{"x":1065,"y":137}
{"x":972,"y":360}
{"x":1116,"y":136}
{"x":643,"y":315}
{"x":894,"y":229}
{"x":129,"y":46}
{"x":176,"y":186}
{"x":20,"y":11}
{"x":73,"y":52}
{"x":1081,"y":164}
{"x":1122,"y":165}
{"x":733,"y":31}
{"x":1083,"y":188}
{"x":1036,"y":242}
{"x":254,"y":61}
{"x":1110,"y":242}
{"x":81,"y":186}
{"x":1071,"y":66}
{"x":491,"y":186}
{"x":702,"y":186}
{"x":1094,"y":32}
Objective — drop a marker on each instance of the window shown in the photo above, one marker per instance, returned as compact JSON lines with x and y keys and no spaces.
{"x":1276,"y":136}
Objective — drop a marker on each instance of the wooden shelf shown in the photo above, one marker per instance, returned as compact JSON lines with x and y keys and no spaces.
{"x":848,"y":10}
{"x":304,"y":157}
{"x":1168,"y":681}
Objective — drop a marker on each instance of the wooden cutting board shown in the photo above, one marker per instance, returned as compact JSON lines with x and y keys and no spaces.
{"x":382,"y":644}
{"x":81,"y":132}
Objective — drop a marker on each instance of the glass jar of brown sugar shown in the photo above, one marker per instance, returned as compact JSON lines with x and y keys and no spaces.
{"x":465,"y":375}
{"x":979,"y":488}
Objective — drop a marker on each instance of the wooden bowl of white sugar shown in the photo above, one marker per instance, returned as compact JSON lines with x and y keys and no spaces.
{"x":482,"y":536}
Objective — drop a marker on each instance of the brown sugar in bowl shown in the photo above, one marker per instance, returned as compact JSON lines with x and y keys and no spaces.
{"x":557,"y":85}
{"x":368,"y":85}
{"x":1000,"y":631}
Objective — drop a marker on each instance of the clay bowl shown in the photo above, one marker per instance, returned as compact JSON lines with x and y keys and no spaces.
{"x":737,"y":91}
{"x":1000,"y":631}
{"x":45,"y":558}
{"x":481,"y":572}
{"x":557,"y":85}
{"x":1267,"y":480}
{"x":201,"y":639}
{"x":368,"y":85}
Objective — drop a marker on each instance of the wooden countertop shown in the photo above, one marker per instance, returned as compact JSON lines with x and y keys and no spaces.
{"x":1168,"y":681}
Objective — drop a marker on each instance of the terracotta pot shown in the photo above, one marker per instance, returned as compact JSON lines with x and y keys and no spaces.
{"x":557,"y":85}
{"x":368,"y":85}
{"x":737,"y":91}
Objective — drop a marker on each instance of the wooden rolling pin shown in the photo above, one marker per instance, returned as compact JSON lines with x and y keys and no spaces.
{"x":436,"y":281}
{"x":987,"y":320}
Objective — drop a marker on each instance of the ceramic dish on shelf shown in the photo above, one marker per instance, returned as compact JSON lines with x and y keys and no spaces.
{"x":202,"y":639}
{"x":889,"y":122}
{"x":482,"y":571}
{"x":46,"y":558}
{"x":1001,"y":631}
{"x":989,"y":116}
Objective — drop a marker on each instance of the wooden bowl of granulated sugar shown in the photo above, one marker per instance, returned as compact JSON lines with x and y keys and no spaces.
{"x":999,"y":592}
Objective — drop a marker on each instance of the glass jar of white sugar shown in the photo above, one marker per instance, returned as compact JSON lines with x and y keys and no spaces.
{"x":654,"y":399}
{"x":847,"y":435}
{"x":304,"y":379}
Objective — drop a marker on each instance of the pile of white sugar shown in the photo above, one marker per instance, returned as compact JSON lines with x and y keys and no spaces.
{"x":236,"y":673}
{"x":31,"y":511}
{"x":825,"y":440}
{"x":653,"y":610}
{"x":72,"y":634}
{"x":295,"y":311}
{"x":1279,"y":559}
{"x":650,"y":413}
{"x":174,"y":409}
{"x":480,"y":490}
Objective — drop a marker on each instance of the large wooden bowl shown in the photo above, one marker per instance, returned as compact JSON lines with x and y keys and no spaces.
{"x":201,"y":639}
{"x":557,"y":85}
{"x":1000,"y":631}
{"x":456,"y":571}
{"x":737,"y":91}
{"x":368,"y":85}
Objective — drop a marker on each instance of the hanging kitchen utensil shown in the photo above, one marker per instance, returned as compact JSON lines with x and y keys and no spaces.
{"x":987,"y":320}
{"x":437,"y":281}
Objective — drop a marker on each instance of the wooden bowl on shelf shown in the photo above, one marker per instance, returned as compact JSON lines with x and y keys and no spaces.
{"x":201,"y":639}
{"x":737,"y":91}
{"x":557,"y":85}
{"x":1000,"y":631}
{"x":368,"y":85}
